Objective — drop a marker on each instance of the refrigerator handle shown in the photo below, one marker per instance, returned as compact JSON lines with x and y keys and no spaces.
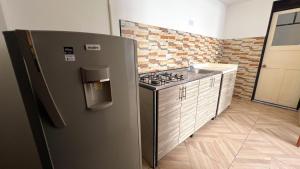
{"x":44,"y":95}
{"x":50,"y":107}
{"x":39,"y":85}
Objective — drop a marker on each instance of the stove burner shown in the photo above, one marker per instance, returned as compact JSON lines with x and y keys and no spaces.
{"x":155,"y":82}
{"x":161,"y":78}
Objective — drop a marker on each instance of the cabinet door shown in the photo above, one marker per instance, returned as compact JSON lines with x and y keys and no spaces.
{"x":214,"y":95}
{"x":226,"y":90}
{"x":169,"y":107}
{"x":188,"y":109}
{"x":209,"y":89}
{"x":203,"y":110}
{"x":231,"y":88}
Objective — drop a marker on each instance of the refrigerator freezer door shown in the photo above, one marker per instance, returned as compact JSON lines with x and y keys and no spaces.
{"x":107,"y":137}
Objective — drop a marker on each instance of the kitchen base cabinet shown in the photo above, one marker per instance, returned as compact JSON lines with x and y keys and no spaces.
{"x":178,"y":111}
{"x":227,"y":89}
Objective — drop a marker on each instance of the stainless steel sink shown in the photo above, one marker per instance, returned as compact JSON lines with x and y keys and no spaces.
{"x":201,"y":71}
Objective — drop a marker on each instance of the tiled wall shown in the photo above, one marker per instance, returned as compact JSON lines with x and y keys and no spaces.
{"x":162,"y":49}
{"x":245,"y":52}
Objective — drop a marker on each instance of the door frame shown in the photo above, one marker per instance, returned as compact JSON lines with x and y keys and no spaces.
{"x":281,"y":5}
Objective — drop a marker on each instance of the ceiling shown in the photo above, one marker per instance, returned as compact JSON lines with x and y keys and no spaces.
{"x":232,"y":1}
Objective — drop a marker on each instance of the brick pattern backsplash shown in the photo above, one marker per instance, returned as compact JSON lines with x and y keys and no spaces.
{"x":163,"y":49}
{"x":245,"y":52}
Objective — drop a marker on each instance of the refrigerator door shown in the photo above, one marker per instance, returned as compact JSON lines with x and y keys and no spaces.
{"x":92,"y":89}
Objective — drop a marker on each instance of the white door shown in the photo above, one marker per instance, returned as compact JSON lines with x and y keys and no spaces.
{"x":279,"y":80}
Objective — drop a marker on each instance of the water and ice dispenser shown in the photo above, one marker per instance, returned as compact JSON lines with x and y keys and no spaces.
{"x":97,"y":87}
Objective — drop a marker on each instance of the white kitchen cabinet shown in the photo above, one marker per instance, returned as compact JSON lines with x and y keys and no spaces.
{"x":227,"y":89}
{"x":207,"y":100}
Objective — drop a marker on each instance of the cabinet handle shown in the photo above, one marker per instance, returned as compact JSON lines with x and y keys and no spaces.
{"x":184,"y":95}
{"x":214,"y":81}
{"x":180,"y":90}
{"x":211,"y":82}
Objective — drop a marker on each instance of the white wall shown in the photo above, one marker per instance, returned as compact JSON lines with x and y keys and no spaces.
{"x":208,"y":15}
{"x":92,"y":16}
{"x":247,"y":19}
{"x":16,"y":142}
{"x":67,"y":15}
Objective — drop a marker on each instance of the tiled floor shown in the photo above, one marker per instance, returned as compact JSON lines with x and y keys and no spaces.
{"x":247,"y":136}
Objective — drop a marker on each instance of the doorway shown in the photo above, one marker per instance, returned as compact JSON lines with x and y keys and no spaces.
{"x":278,"y":80}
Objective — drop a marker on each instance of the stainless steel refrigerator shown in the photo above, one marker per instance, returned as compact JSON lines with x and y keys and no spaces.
{"x":81,"y":97}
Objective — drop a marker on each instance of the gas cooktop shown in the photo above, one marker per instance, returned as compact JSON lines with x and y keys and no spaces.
{"x":161,"y":78}
{"x":169,"y":78}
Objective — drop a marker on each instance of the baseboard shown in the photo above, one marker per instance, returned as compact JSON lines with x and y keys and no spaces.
{"x":275,"y":105}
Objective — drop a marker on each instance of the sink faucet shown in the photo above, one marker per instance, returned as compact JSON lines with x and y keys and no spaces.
{"x":189,"y":63}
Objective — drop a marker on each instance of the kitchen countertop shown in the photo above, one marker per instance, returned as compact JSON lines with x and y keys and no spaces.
{"x":216,"y":67}
{"x":188,"y":77}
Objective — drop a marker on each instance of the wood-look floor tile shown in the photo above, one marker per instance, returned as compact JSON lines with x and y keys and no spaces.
{"x":247,"y":136}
